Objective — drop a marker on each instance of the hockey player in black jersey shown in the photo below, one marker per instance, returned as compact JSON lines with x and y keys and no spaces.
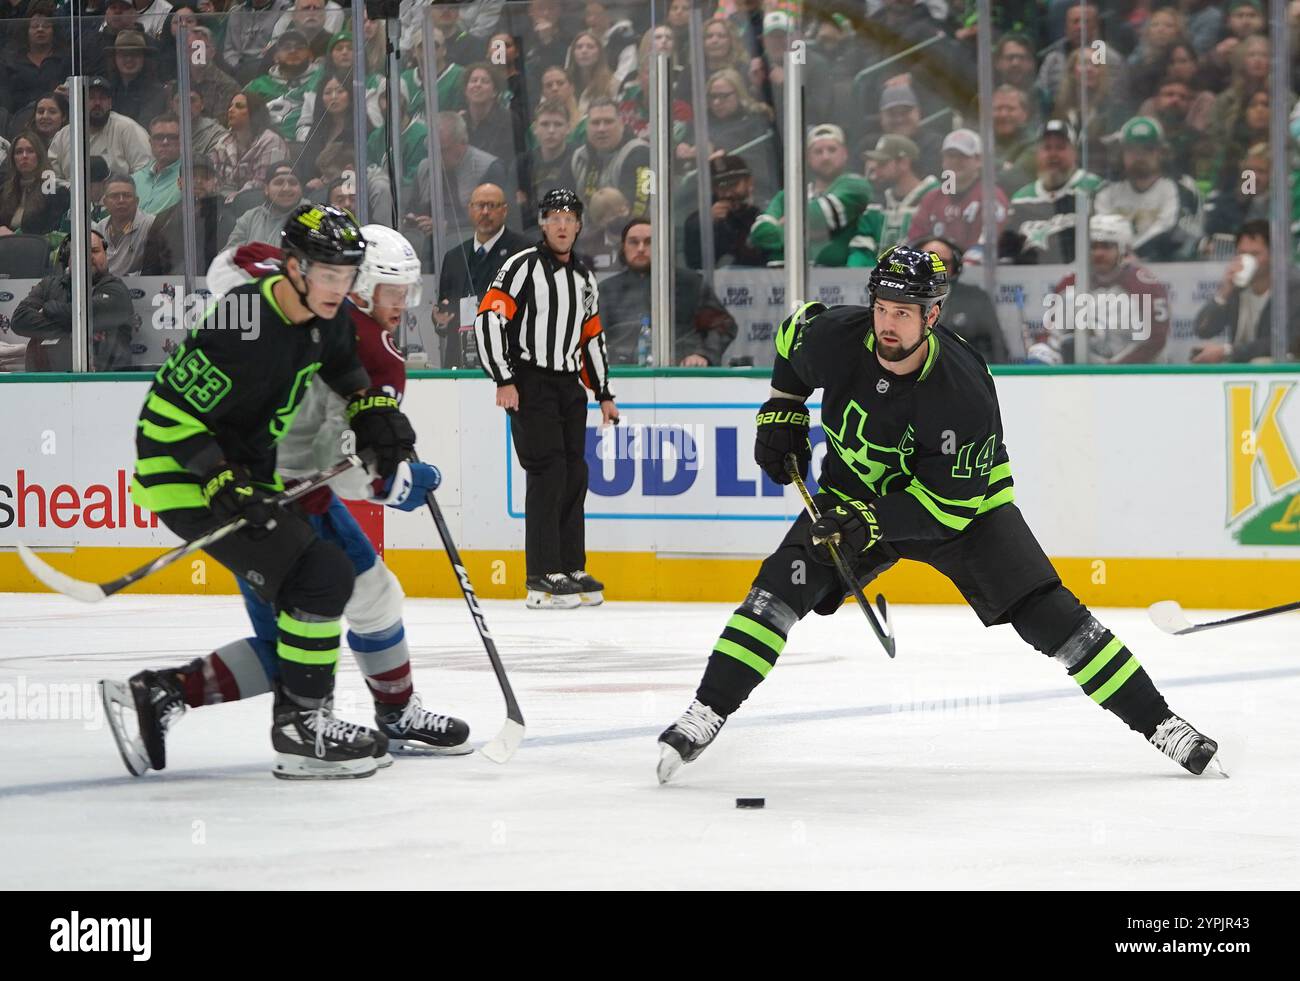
{"x":207,"y":440}
{"x":915,"y":468}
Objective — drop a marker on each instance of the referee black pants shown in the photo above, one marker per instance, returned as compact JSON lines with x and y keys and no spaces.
{"x":550,"y":434}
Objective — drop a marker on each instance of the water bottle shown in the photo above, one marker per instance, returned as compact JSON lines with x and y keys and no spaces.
{"x":643,"y":342}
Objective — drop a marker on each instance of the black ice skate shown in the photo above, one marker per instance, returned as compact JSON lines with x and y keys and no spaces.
{"x":158,"y":702}
{"x":553,"y":591}
{"x":415,"y":730}
{"x":1184,"y":745}
{"x":310,"y":744}
{"x":687,"y":738}
{"x":591,"y":591}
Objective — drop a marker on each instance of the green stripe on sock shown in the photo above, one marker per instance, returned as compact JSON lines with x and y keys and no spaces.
{"x":1100,"y":661}
{"x":732,"y":649}
{"x":759,"y":632}
{"x":1112,"y":686}
{"x":308,"y":628}
{"x":298,"y":656}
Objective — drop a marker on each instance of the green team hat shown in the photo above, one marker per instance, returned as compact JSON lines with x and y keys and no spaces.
{"x":1142,"y":131}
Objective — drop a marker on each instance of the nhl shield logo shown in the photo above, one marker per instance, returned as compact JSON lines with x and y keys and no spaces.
{"x":315,"y":335}
{"x":882,"y":386}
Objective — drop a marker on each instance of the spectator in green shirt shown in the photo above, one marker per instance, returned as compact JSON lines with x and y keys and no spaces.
{"x":156,"y":184}
{"x":836,"y":200}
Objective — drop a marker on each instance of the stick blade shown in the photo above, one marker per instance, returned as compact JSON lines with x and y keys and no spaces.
{"x":1169,"y":617}
{"x":59,"y":582}
{"x":500,"y":749}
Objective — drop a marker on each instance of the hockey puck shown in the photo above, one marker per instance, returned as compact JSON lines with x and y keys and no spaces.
{"x":751,"y":801}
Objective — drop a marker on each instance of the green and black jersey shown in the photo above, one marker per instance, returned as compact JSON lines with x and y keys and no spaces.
{"x":927,"y":447}
{"x":230,"y":394}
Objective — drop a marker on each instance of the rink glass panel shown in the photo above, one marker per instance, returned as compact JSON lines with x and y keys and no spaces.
{"x":951,"y":78}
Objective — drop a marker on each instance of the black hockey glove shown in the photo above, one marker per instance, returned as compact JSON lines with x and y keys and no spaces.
{"x":782,"y":429}
{"x":229,"y":492}
{"x":381,"y":429}
{"x":851,"y":525}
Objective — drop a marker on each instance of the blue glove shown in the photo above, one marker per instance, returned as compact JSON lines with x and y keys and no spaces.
{"x":407,"y":489}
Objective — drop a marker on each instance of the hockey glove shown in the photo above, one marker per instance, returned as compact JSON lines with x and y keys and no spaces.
{"x":381,"y":430}
{"x":851,"y":525}
{"x":782,"y":429}
{"x":229,"y":492}
{"x":407,"y":489}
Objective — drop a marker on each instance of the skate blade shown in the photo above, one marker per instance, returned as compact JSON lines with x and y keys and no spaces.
{"x":416,"y":747}
{"x":383,"y":762}
{"x":290,"y":767}
{"x":591,"y":599}
{"x":118,"y":700}
{"x":549,"y":601}
{"x":670,"y":761}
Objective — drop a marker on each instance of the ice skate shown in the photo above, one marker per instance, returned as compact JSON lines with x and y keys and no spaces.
{"x":553,"y":591}
{"x":591,"y":591}
{"x":687,"y":738}
{"x":416,"y":731}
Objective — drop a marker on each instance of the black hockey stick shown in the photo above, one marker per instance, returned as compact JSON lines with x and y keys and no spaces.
{"x":1169,"y":617}
{"x":500,"y":749}
{"x":884,"y":634}
{"x":90,"y":592}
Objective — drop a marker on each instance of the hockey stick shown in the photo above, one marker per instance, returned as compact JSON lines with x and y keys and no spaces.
{"x":500,"y":749}
{"x":89,"y":592}
{"x":1169,"y":617}
{"x":884,"y":634}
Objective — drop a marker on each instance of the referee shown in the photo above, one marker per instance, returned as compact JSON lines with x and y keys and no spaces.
{"x":538,"y":332}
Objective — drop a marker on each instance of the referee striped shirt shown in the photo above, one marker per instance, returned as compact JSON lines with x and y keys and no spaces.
{"x":544,"y":313}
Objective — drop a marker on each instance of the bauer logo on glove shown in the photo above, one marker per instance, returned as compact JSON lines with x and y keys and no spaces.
{"x":851,"y":526}
{"x":782,"y":429}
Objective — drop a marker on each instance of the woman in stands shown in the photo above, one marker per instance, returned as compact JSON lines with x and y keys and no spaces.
{"x":39,"y":61}
{"x":333,"y":125}
{"x":590,"y":70}
{"x":25,"y":206}
{"x":253,"y":145}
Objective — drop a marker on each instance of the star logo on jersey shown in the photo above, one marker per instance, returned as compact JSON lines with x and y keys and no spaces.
{"x":858,"y":459}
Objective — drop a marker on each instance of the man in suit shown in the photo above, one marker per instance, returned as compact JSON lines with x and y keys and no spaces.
{"x":467,"y":271}
{"x":464,"y":167}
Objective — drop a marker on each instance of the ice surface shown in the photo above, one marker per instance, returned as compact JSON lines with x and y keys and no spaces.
{"x":969,"y":762}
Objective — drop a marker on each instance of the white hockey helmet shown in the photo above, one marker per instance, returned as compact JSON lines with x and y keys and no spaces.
{"x":1114,"y":229}
{"x":389,"y":259}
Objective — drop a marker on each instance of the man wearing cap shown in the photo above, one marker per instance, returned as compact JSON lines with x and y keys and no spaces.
{"x":900,"y":115}
{"x":284,"y":88}
{"x":768,"y":77}
{"x":954,"y":210}
{"x":1042,"y":216}
{"x":244,"y":45}
{"x":120,"y":140}
{"x":207,"y":77}
{"x":263,"y":223}
{"x":837,"y":198}
{"x":1148,"y":200}
{"x":891,"y":168}
{"x":733,"y":213}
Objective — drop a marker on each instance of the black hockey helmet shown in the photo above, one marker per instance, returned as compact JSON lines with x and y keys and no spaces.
{"x":320,"y":233}
{"x":560,"y":199}
{"x":907,"y":275}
